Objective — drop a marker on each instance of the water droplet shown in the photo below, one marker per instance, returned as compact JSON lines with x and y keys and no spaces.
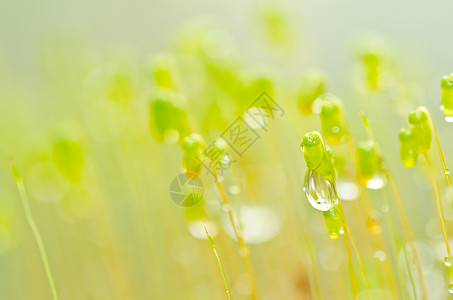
{"x":320,"y":192}
{"x":447,"y":261}
{"x":447,"y":171}
{"x":376,"y":183}
{"x":225,"y":159}
{"x":335,"y":129}
{"x":385,"y":208}
{"x":380,"y":255}
{"x":302,"y":148}
{"x":450,"y":288}
{"x":334,"y":235}
{"x":235,"y":190}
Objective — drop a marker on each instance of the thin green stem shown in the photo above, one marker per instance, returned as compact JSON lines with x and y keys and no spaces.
{"x":409,"y":236}
{"x":438,"y":202}
{"x":227,"y":290}
{"x":315,"y":274}
{"x":243,"y":249}
{"x":407,"y":229}
{"x":345,"y":223}
{"x":34,"y":228}
{"x":394,"y":243}
{"x":441,"y":156}
{"x":355,"y":292}
{"x":354,"y":247}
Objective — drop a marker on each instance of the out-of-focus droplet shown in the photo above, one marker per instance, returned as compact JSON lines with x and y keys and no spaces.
{"x":380,"y":255}
{"x":329,"y":258}
{"x":385,"y":208}
{"x":256,"y":118}
{"x":103,"y":120}
{"x":347,"y":190}
{"x":425,"y":254}
{"x":171,"y":136}
{"x":45,"y":182}
{"x":447,"y":261}
{"x":185,"y":250}
{"x":320,"y":192}
{"x":448,"y":119}
{"x":450,"y":288}
{"x":259,"y":224}
{"x":234,"y":189}
{"x":196,"y":229}
{"x":217,"y":43}
{"x":225,"y":159}
{"x":242,"y":284}
{"x":447,"y":171}
{"x":226,"y":208}
{"x":376,"y":183}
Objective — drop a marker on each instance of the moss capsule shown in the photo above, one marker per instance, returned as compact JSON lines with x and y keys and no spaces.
{"x":446,"y":85}
{"x":419,"y":118}
{"x":68,"y":156}
{"x":192,"y":148}
{"x":161,"y":72}
{"x":168,"y":123}
{"x":333,"y":123}
{"x":312,"y":86}
{"x":374,"y":58}
{"x":317,"y":156}
{"x":313,"y":148}
{"x":368,"y":161}
{"x":334,"y":222}
{"x":408,"y":146}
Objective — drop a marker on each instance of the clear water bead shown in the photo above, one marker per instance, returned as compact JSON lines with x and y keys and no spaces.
{"x":320,"y":192}
{"x":450,"y":288}
{"x":447,"y":261}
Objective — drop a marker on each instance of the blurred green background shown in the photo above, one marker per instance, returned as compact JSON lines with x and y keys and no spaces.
{"x":81,"y":71}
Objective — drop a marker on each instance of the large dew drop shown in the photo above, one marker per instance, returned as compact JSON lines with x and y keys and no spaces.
{"x":320,"y":192}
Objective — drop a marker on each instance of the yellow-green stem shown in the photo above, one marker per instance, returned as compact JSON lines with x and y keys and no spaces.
{"x":227,"y":290}
{"x":33,"y":226}
{"x":441,"y":156}
{"x":355,"y":292}
{"x":243,"y":249}
{"x":438,"y":202}
{"x":407,"y":230}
